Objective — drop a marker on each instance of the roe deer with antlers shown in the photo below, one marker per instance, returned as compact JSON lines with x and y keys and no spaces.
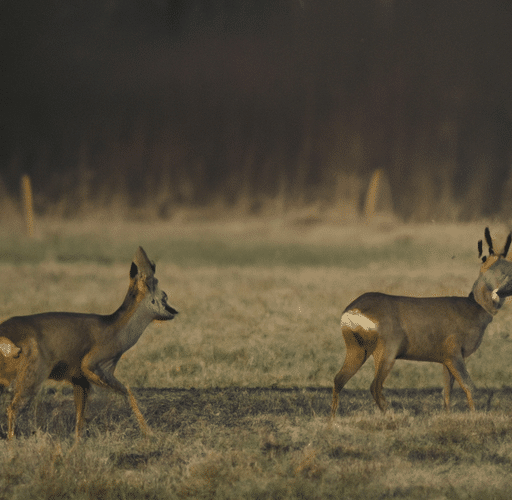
{"x":85,"y":348}
{"x":445,"y":330}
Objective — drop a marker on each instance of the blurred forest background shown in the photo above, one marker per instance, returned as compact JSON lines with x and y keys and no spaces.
{"x":258,"y":106}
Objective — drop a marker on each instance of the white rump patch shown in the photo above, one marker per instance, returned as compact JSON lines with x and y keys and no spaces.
{"x":8,"y":349}
{"x":354,"y":319}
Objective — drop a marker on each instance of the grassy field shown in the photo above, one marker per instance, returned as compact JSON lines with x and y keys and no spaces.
{"x":237,"y":387}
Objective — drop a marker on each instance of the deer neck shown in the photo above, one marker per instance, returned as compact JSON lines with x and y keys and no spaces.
{"x":130,"y":320}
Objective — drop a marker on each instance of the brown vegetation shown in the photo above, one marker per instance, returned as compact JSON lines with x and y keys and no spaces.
{"x":258,"y":106}
{"x":237,"y":391}
{"x":265,"y":443}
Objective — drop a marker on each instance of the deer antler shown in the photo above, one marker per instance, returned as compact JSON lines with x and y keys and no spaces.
{"x":507,"y":245}
{"x":488,"y":238}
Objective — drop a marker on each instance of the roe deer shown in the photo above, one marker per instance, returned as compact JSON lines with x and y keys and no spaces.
{"x":85,"y":348}
{"x":445,"y":330}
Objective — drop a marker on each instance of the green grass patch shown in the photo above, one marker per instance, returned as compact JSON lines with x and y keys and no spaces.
{"x":211,"y":250}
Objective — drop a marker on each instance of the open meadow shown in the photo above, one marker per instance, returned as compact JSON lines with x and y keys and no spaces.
{"x":237,"y":388}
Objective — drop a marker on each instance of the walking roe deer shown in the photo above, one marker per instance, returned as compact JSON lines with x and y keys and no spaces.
{"x":85,"y":348}
{"x":444,"y":330}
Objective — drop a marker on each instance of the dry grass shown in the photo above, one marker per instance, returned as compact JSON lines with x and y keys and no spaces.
{"x":268,"y":319}
{"x":365,"y":455}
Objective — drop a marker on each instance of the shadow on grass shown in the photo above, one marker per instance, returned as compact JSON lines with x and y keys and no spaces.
{"x":175,"y":410}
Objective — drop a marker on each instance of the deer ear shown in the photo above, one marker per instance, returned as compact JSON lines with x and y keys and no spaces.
{"x":507,"y":245}
{"x":146,"y":267}
{"x":479,"y":248}
{"x":133,"y":270}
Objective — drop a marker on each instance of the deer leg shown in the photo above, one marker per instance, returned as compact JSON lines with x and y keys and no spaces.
{"x":17,"y":403}
{"x":103,"y":376}
{"x":355,"y":357}
{"x":448,"y":386}
{"x":81,"y":389}
{"x":30,"y":377}
{"x":138,"y":415}
{"x":384,"y":361}
{"x":95,"y":374}
{"x":458,"y":370}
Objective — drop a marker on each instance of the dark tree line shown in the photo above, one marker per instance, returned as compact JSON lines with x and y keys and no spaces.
{"x":203,"y":100}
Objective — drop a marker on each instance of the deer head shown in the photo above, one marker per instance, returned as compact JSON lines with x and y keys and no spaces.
{"x":495,"y":281}
{"x":145,"y":287}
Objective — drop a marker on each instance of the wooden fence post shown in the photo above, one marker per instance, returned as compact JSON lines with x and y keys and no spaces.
{"x":372,"y":194}
{"x":28,"y":204}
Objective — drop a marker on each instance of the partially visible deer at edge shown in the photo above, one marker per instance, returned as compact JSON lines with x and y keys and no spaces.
{"x":85,"y":348}
{"x":444,"y":330}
